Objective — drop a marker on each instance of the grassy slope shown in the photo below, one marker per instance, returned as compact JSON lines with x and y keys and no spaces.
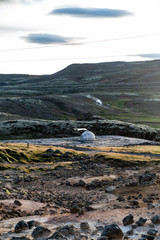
{"x":18,"y":156}
{"x":129,"y":91}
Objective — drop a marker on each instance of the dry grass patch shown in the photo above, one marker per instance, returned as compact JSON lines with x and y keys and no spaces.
{"x":146,"y":149}
{"x":20,"y":153}
{"x":129,"y":155}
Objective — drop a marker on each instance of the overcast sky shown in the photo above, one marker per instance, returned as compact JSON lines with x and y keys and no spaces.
{"x":44,"y":36}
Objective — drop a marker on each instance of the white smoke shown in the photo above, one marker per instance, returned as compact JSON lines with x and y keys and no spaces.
{"x":96,"y":100}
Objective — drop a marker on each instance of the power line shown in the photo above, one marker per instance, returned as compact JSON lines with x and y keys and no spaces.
{"x":80,"y":43}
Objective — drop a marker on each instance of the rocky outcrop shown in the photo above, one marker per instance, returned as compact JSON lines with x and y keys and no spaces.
{"x":21,"y":129}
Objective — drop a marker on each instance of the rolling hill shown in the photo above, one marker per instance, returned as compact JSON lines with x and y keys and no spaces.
{"x":128,"y":91}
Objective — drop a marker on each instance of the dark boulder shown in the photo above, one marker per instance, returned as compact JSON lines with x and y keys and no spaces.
{"x":128,"y":220}
{"x":57,"y":235}
{"x":40,"y":232}
{"x":112,"y":231}
{"x":141,"y":221}
{"x":20,"y":226}
{"x":32,"y":224}
{"x":152,"y":232}
{"x":155,"y":219}
{"x":147,"y":178}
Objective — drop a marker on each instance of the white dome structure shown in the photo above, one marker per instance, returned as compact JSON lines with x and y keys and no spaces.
{"x":87,"y":136}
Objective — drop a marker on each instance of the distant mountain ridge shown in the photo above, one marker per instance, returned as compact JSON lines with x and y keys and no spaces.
{"x":129,"y":91}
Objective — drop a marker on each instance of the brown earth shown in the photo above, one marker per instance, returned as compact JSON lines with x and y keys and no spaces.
{"x":76,"y":193}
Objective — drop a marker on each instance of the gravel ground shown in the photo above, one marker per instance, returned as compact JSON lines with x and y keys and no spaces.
{"x":101,"y":141}
{"x":85,"y":191}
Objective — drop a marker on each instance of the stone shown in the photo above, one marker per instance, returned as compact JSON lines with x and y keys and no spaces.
{"x":110,"y":189}
{"x":134,"y":226}
{"x":40,"y":232}
{"x":145,"y":236}
{"x":141,"y":221}
{"x":152,"y":232}
{"x":151,"y":225}
{"x":64,"y":232}
{"x":57,"y":235}
{"x":147,"y":178}
{"x":128,"y":220}
{"x":81,"y":183}
{"x":134,"y":203}
{"x":32,"y":224}
{"x":84,"y":226}
{"x":17,"y":203}
{"x":102,"y":238}
{"x":20,"y":226}
{"x":100,"y":228}
{"x":130,"y":231}
{"x":67,"y":230}
{"x":20,"y":238}
{"x":57,"y":151}
{"x":113,"y":232}
{"x":48,"y":153}
{"x":81,"y":212}
{"x":87,"y":136}
{"x":155,"y":219}
{"x":121,"y":198}
{"x":74,"y":209}
{"x":71,"y":229}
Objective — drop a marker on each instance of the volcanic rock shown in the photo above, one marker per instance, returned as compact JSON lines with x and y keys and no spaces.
{"x":20,"y":238}
{"x":141,"y":221}
{"x":18,"y":203}
{"x":102,"y":238}
{"x":20,"y":226}
{"x":152,"y":232}
{"x":147,"y":178}
{"x":40,"y":232}
{"x":45,"y":129}
{"x":32,"y":224}
{"x":57,"y":235}
{"x":84,"y":226}
{"x":128,"y":220}
{"x":112,"y":231}
{"x":155,"y":219}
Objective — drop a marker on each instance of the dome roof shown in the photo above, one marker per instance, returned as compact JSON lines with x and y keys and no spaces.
{"x":87,"y":136}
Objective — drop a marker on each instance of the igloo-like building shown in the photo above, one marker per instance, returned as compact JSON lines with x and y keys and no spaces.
{"x":87,"y":136}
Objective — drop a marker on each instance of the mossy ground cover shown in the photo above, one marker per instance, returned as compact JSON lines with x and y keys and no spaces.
{"x":20,"y":157}
{"x":129,"y":155}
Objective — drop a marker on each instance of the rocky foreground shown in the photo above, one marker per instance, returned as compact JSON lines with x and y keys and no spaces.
{"x":76,"y":196}
{"x":21,"y":129}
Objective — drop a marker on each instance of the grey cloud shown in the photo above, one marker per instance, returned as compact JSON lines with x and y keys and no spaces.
{"x":19,"y":1}
{"x":9,"y":28}
{"x":150,"y":55}
{"x":91,"y":12}
{"x":6,"y":1}
{"x":41,"y":38}
{"x":147,"y":55}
